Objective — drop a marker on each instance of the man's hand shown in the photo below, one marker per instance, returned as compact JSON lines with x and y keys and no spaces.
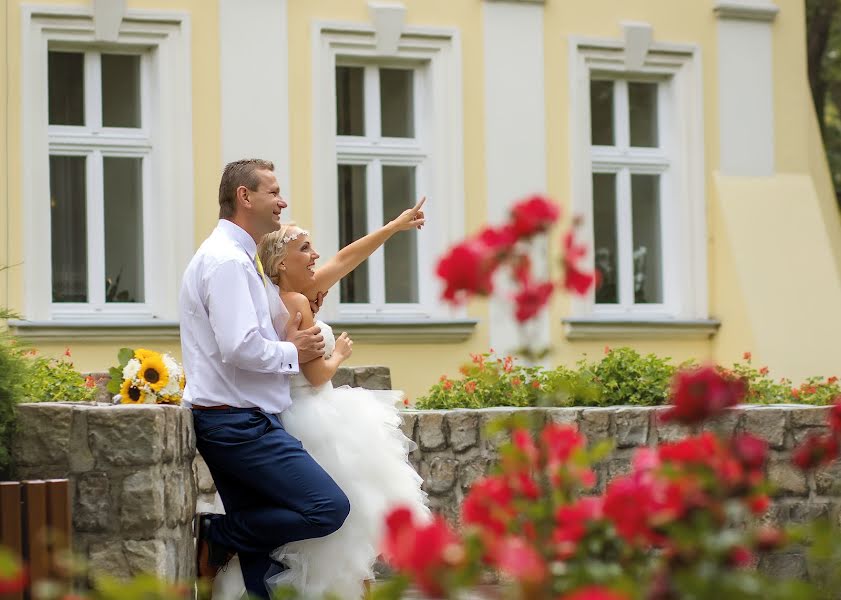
{"x":315,"y":305}
{"x":309,"y":342}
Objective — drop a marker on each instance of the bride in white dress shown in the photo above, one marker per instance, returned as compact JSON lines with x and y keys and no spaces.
{"x":352,"y":433}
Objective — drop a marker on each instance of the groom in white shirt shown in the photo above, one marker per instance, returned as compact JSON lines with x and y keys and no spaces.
{"x":237,"y":371}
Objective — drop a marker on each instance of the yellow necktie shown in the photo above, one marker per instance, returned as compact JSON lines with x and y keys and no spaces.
{"x":259,"y":264}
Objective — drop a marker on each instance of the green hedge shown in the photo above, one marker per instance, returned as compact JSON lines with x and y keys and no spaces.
{"x":621,"y":377}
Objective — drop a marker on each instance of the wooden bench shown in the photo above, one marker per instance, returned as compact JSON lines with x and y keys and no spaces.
{"x":35,"y":524}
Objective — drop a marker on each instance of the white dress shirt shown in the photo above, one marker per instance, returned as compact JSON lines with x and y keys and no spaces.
{"x":231,"y":351}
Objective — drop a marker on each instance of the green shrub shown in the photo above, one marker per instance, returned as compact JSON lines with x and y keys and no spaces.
{"x":13,"y":367}
{"x":56,"y":380}
{"x":621,"y":377}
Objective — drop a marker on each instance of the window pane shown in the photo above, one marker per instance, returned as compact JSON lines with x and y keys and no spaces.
{"x":642,"y":98}
{"x":648,"y":262}
{"x":66,"y":88}
{"x":350,"y":101}
{"x":397,"y":102}
{"x":601,"y":113}
{"x":604,"y":237}
{"x":68,"y":230}
{"x":401,"y":251}
{"x":353,"y":224}
{"x":123,"y":190}
{"x":120,"y":90}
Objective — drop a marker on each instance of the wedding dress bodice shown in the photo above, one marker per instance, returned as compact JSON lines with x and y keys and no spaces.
{"x":329,"y":345}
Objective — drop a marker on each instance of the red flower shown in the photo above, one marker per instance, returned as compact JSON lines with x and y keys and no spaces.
{"x":750,"y":450}
{"x":90,"y":382}
{"x":594,"y":592}
{"x":488,"y":505}
{"x":498,"y":240}
{"x":700,"y":394}
{"x":522,"y":440}
{"x":533,"y":215}
{"x":763,"y":371}
{"x":467,"y":269}
{"x":517,"y":558}
{"x":575,"y":280}
{"x":740,"y":557}
{"x":571,"y":524}
{"x":769,"y":538}
{"x":759,"y":504}
{"x":815,"y":451}
{"x":746,"y":356}
{"x":831,"y":380}
{"x":470,"y":387}
{"x":14,"y":581}
{"x":420,"y":549}
{"x":67,"y":352}
{"x":531,"y":299}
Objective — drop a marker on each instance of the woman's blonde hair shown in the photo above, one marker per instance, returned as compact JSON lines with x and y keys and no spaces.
{"x":272,"y":251}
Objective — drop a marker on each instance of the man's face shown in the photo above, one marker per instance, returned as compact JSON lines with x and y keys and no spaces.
{"x":266,"y":203}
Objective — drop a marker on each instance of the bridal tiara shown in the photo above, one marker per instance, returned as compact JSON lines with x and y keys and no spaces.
{"x":293,"y":236}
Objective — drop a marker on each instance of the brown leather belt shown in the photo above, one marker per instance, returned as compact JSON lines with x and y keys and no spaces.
{"x":217,"y":407}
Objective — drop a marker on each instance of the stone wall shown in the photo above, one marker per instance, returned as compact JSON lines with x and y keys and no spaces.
{"x":453,"y":451}
{"x":132,"y":487}
{"x":134,"y":477}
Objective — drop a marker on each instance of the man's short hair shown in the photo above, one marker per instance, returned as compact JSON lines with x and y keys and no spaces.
{"x":237,"y":173}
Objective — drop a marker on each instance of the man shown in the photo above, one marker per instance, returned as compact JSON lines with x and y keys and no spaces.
{"x":238,"y":382}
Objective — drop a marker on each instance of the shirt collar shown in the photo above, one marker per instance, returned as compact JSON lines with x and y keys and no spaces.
{"x":239,"y":235}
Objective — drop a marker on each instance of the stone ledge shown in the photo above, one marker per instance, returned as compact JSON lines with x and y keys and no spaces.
{"x":596,"y":329}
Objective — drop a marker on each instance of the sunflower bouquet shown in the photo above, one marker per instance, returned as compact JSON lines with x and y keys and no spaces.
{"x":146,"y":377}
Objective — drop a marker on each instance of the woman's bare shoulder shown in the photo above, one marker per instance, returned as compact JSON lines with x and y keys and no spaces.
{"x":296,"y":301}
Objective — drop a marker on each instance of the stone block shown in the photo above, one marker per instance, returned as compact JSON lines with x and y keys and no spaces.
{"x":179,"y":497}
{"x":204,"y":480}
{"x":93,"y":509}
{"x":149,"y":556}
{"x":828,"y":480}
{"x":440,"y":474}
{"x":344,"y":376}
{"x":726,"y":424}
{"x":631,"y":427}
{"x":108,"y":558}
{"x":408,"y":423}
{"x":463,"y":427}
{"x":766,"y":422}
{"x":81,"y":459}
{"x":469,"y":472}
{"x":142,"y":501}
{"x":171,"y":435}
{"x":372,"y":378}
{"x":783,"y":566}
{"x":808,"y":416}
{"x":594,"y":423}
{"x":799,"y":435}
{"x":431,"y":434}
{"x":787,"y":479}
{"x":563,"y":415}
{"x":126,"y":435}
{"x":42,"y":435}
{"x":187,"y":435}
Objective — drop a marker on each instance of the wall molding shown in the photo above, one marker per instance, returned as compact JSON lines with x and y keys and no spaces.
{"x":750,"y":11}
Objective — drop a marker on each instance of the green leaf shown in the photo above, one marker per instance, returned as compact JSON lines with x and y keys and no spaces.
{"x":125,"y":355}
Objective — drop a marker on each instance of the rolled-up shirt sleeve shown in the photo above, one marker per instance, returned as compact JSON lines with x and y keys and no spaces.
{"x":233,"y":318}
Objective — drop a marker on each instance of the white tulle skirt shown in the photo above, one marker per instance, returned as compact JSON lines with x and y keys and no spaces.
{"x":354,"y":434}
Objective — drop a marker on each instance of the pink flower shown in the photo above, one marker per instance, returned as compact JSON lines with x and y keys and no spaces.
{"x":517,"y":558}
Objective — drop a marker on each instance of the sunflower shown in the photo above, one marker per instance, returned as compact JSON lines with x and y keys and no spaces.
{"x":153,"y":371}
{"x":142,"y":354}
{"x":131,"y":394}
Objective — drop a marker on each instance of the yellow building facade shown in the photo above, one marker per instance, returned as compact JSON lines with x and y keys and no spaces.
{"x":681,"y":132}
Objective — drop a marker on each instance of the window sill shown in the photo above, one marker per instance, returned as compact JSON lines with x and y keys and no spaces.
{"x":92,"y":331}
{"x":409,"y":331}
{"x":597,"y":329}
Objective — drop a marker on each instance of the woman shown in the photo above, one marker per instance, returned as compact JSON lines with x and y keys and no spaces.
{"x":352,"y":433}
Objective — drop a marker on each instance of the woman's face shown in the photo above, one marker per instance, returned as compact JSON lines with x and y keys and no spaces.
{"x":298,"y":268}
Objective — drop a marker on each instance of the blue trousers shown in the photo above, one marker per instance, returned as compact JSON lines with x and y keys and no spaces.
{"x":272,"y":489}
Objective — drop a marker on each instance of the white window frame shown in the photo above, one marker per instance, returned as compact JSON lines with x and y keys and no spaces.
{"x":164,"y":140}
{"x":436,"y":151}
{"x":679,"y":160}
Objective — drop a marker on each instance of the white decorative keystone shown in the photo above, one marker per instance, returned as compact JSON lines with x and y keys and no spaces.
{"x":107,"y":16}
{"x":388,"y":22}
{"x":638,"y":38}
